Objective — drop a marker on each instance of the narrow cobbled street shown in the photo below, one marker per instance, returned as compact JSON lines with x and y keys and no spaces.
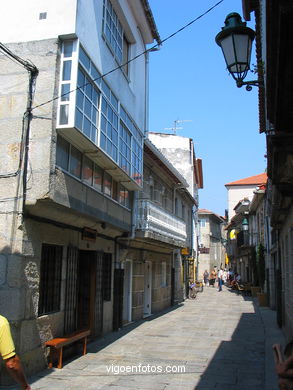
{"x":220,"y":340}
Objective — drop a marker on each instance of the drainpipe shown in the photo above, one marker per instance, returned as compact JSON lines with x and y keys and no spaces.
{"x":147,"y":66}
{"x":26,"y":121}
{"x":126,"y":239}
{"x":146,"y":111}
{"x":33,"y":73}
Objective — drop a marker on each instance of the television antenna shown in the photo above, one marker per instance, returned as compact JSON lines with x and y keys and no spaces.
{"x":175,"y":127}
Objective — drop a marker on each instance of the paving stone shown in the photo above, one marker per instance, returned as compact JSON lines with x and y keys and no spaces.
{"x":217,"y":351}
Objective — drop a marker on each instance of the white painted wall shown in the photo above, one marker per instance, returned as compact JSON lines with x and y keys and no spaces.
{"x":177,"y":150}
{"x":237,"y":193}
{"x":20,"y":19}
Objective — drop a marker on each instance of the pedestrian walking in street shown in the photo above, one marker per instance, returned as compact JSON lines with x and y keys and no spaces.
{"x":11,"y":360}
{"x":213,"y":277}
{"x":206,"y":278}
{"x":220,"y":279}
{"x":225,"y":276}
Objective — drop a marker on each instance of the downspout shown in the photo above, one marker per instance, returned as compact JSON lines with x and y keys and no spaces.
{"x":26,"y":121}
{"x":33,"y":73}
{"x":147,"y":89}
{"x":146,"y":111}
{"x":27,"y":117}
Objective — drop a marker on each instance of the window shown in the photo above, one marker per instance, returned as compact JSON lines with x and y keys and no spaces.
{"x":164,"y":275}
{"x":115,"y":194}
{"x":151,"y":192}
{"x":183,"y":211}
{"x":62,"y":153}
{"x":87,"y":171}
{"x":98,"y":178}
{"x":113,"y":31}
{"x":202,"y":222}
{"x":87,"y":106}
{"x":50,"y":279}
{"x":107,"y":276}
{"x":135,"y":144}
{"x":42,"y":15}
{"x":107,"y":184}
{"x":109,"y":130}
{"x":115,"y":37}
{"x":124,"y":196}
{"x":75,"y":162}
{"x":125,"y":149}
{"x":168,"y":205}
{"x":176,"y":206}
{"x":125,"y":55}
{"x":137,"y":159}
{"x":65,"y":83}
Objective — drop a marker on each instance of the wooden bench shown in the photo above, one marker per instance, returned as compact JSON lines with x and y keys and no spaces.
{"x":244,"y":288}
{"x":58,"y":343}
{"x":247,"y":289}
{"x":239,"y":288}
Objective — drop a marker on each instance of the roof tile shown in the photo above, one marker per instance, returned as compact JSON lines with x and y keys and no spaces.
{"x":257,"y":180}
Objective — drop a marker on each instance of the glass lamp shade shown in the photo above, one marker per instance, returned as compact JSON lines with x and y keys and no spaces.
{"x":245,"y":225}
{"x":235,"y":40}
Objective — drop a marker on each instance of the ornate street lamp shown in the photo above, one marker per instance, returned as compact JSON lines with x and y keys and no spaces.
{"x":245,"y":228}
{"x":245,"y":225}
{"x":235,"y":40}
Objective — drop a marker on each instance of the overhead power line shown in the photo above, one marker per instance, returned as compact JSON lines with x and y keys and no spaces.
{"x":137,"y":56}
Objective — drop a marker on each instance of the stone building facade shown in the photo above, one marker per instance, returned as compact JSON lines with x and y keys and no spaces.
{"x":71,"y":162}
{"x":211,"y":241}
{"x":180,"y":152}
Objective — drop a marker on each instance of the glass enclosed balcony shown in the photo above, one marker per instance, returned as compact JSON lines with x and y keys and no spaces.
{"x":154,"y":220}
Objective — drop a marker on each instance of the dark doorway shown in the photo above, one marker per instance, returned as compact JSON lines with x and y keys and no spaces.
{"x":279,"y":289}
{"x":70,"y":311}
{"x":83,"y":300}
{"x":118,"y":299}
{"x":86,"y":289}
{"x":172,"y":286}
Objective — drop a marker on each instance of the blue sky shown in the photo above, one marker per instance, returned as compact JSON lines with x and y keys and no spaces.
{"x":189,"y":81}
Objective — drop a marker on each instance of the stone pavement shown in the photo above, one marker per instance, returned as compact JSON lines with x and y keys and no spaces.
{"x":220,"y":340}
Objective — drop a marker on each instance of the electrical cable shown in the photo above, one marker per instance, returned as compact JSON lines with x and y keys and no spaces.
{"x":33,"y":71}
{"x":26,"y":63}
{"x":134,"y":58}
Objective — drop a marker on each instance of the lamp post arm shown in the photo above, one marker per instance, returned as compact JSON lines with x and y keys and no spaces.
{"x":249,"y":84}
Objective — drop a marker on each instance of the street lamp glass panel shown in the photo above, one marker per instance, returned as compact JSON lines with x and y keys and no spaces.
{"x":245,"y":225}
{"x":237,"y":52}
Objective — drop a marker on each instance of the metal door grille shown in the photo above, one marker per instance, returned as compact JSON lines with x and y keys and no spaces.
{"x":70,"y":315}
{"x":99,"y":296}
{"x":50,"y":279}
{"x":118,"y":298}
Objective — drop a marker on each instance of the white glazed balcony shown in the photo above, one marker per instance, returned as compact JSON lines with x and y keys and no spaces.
{"x":154,"y":219}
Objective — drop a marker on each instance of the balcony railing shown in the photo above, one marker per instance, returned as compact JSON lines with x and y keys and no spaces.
{"x":153,"y":218}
